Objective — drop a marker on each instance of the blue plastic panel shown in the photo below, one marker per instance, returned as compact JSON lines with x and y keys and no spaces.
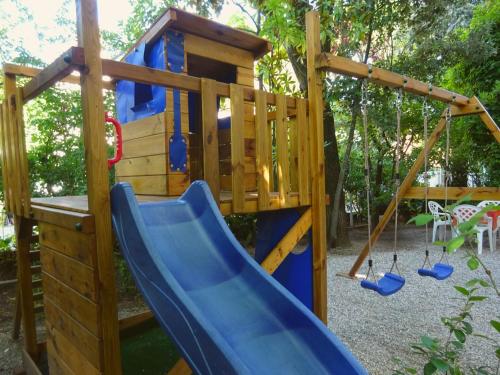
{"x":136,"y":100}
{"x":295,"y":272}
{"x":175,"y":62}
{"x":225,"y":314}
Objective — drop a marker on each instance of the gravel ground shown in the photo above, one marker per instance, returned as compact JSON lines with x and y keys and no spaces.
{"x":378,"y":329}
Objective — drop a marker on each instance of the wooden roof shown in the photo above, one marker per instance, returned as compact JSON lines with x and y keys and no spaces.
{"x":183,"y":21}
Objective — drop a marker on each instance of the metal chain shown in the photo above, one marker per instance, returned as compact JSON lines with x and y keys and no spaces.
{"x":425,"y":113}
{"x":364,"y":112}
{"x":447,"y":163}
{"x":399,"y":106}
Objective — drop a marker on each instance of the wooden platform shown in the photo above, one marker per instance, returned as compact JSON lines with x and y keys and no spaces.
{"x":79,"y":203}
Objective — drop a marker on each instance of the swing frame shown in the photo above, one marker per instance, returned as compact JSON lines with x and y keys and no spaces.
{"x":460,"y":106}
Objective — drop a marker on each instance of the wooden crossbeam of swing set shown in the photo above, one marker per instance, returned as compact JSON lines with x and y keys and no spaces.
{"x":383,"y":77}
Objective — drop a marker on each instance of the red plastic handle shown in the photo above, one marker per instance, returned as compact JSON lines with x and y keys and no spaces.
{"x":119,"y":142}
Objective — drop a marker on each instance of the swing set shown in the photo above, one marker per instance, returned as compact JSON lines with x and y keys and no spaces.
{"x":458,"y":105}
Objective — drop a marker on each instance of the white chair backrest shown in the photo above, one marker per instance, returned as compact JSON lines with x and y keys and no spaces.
{"x":465,"y":211}
{"x":435,"y":208}
{"x":488,"y":203}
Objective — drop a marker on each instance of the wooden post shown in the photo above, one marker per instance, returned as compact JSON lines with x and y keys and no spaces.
{"x":23,"y":156}
{"x":97,"y":179}
{"x":210,"y":137}
{"x":237,"y":148}
{"x":315,"y":94}
{"x":24,"y":231}
{"x":283,"y":160}
{"x":303,"y":152}
{"x":405,"y":185}
{"x":262,"y":150}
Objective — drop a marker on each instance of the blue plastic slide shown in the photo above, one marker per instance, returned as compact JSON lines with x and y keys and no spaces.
{"x":223,"y":311}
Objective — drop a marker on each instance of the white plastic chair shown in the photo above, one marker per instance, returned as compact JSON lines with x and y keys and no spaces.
{"x":440,"y":217}
{"x":496,"y":232}
{"x":463,"y":213}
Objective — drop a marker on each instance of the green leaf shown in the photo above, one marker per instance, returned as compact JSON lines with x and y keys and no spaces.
{"x":497,"y":353}
{"x":462,"y":290}
{"x":455,"y":243}
{"x":410,"y":370}
{"x":473,"y":263}
{"x":467,"y":327}
{"x":429,"y":368}
{"x":460,"y":335}
{"x":421,"y":219}
{"x":428,"y":342}
{"x":495,"y":324}
{"x":477,"y":298}
{"x":439,"y":364}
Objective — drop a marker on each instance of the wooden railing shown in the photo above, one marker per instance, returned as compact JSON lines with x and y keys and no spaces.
{"x":262,"y":125}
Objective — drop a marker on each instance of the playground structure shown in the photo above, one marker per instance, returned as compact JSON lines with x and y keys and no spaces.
{"x":75,"y":235}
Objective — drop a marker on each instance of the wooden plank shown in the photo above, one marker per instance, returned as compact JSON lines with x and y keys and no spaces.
{"x":210,"y":136}
{"x":293,"y":134}
{"x":345,"y":66}
{"x":303,"y":164}
{"x":226,"y":168}
{"x":12,"y":141}
{"x":58,"y":69}
{"x":24,"y":231}
{"x":3,"y":156}
{"x":249,"y":145}
{"x":216,"y":51}
{"x":134,"y":320}
{"x":263,"y":150}
{"x":71,"y":272}
{"x":177,"y":184}
{"x":288,"y":242}
{"x":73,"y":303}
{"x":68,"y":351}
{"x":283,"y":161}
{"x":237,"y":148}
{"x":23,"y":156}
{"x":249,"y":182}
{"x":147,"y":185}
{"x":142,"y":166}
{"x":145,"y":146}
{"x":28,"y":71}
{"x":405,"y":185}
{"x":79,"y":246}
{"x":88,"y":344}
{"x":454,"y":193}
{"x":94,"y":135}
{"x":149,"y":76}
{"x":315,"y":92}
{"x":180,"y":368}
{"x":144,"y":127}
{"x":56,"y":365}
{"x":64,"y":218}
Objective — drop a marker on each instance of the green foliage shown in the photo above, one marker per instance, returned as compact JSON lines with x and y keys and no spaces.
{"x":243,"y":227}
{"x":444,"y":355}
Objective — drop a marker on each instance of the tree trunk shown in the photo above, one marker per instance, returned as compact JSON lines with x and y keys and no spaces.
{"x":335,"y":215}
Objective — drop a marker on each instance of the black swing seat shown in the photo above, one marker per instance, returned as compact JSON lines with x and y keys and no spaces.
{"x":385,"y":286}
{"x":439,"y":271}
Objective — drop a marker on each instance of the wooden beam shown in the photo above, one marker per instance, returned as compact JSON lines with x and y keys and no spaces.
{"x":405,"y":185}
{"x":454,"y":193}
{"x":23,"y":155}
{"x":288,"y":242}
{"x":58,"y":69}
{"x":383,"y":77}
{"x":489,"y":122}
{"x":96,"y":148}
{"x":210,"y":137}
{"x":237,"y":148}
{"x":317,"y":160}
{"x":28,"y":71}
{"x":303,"y":164}
{"x":24,"y":231}
{"x":263,"y":150}
{"x":180,"y":368}
{"x":282,"y":156}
